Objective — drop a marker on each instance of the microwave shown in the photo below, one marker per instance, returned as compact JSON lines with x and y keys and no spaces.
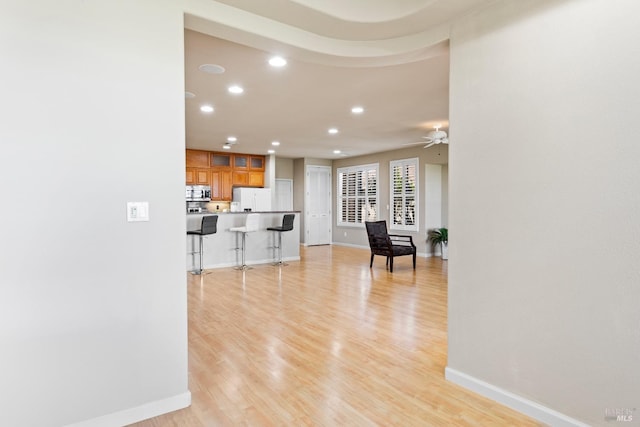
{"x":198,"y":193}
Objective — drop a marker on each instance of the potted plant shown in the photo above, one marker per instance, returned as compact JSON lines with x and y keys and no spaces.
{"x":439,"y":236}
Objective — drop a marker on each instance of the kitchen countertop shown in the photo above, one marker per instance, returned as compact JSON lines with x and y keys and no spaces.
{"x":219,"y":248}
{"x":225,"y":213}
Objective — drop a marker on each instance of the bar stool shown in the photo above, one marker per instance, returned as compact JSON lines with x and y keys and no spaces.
{"x":250,"y":225}
{"x":208,"y":226}
{"x":287,"y":225}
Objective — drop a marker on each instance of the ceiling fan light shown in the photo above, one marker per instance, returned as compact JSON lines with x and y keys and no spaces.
{"x":437,"y":134}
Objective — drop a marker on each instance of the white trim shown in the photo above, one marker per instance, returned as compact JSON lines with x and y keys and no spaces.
{"x":139,"y":413}
{"x":511,"y":400}
{"x":350,"y":245}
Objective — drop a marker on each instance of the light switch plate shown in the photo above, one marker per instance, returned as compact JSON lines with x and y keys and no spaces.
{"x":137,"y":211}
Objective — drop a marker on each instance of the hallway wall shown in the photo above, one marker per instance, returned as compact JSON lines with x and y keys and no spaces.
{"x":543,"y":268}
{"x":92,"y":307}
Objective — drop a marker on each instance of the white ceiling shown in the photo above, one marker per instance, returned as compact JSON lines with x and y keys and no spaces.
{"x":389,"y":56}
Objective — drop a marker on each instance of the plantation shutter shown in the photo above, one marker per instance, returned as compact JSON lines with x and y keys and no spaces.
{"x":404,"y":194}
{"x":357,"y":194}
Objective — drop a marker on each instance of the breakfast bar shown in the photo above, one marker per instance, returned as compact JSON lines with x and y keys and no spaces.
{"x":219,"y":249}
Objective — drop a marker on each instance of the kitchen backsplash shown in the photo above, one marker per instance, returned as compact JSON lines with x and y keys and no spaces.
{"x":218,"y":206}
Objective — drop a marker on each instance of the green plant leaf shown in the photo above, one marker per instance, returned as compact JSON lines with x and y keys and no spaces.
{"x":438,"y":235}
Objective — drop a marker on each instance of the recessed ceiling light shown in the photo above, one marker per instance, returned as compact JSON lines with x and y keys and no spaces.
{"x":232,"y":139}
{"x":275,"y":143}
{"x":206,"y":108}
{"x":357,"y":110}
{"x":236,"y":89}
{"x":211,"y":68}
{"x":189,"y":95}
{"x":337,"y":151}
{"x":226,"y":147}
{"x":277,"y":61}
{"x":333,"y":131}
{"x":271,"y":151}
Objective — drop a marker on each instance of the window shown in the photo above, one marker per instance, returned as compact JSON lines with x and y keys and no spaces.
{"x":357,"y":194}
{"x":404,"y":194}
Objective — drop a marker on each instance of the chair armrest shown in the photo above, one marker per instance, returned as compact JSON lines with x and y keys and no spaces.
{"x":401,"y":240}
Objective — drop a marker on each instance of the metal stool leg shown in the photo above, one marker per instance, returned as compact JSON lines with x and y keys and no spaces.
{"x":279,"y":262}
{"x":199,"y":270}
{"x":201,"y":251}
{"x":244,"y":266}
{"x":244,"y":240}
{"x":279,"y":247}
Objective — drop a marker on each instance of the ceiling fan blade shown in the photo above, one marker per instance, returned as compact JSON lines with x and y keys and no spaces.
{"x":413,"y":143}
{"x":430,"y":144}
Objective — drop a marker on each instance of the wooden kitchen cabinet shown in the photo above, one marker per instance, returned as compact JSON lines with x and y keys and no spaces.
{"x":256,"y":179}
{"x":240,"y":162}
{"x":221,"y":171}
{"x":197,"y":176}
{"x":197,"y":159}
{"x":240,"y":178}
{"x":221,"y":160}
{"x":256,"y":163}
{"x":248,"y":162}
{"x":248,"y":178}
{"x":221,"y":185}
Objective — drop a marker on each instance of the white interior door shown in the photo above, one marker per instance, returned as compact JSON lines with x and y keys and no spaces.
{"x":284,"y":195}
{"x":318,"y":205}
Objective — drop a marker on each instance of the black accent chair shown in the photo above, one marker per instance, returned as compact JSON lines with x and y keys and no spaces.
{"x":388,"y":245}
{"x":287,"y":225}
{"x":208,"y":226}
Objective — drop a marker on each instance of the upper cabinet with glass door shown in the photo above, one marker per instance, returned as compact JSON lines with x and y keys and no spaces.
{"x":248,"y":162}
{"x":241,"y":161}
{"x":256,"y":163}
{"x":221,"y":160}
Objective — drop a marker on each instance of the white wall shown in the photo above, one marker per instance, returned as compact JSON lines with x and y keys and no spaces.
{"x":433,"y":199}
{"x":92,"y":308}
{"x":432,"y":196}
{"x":544,"y":295}
{"x":445,"y":196}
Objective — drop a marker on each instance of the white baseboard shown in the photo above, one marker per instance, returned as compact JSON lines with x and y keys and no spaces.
{"x":234,"y":264}
{"x":350,"y":245}
{"x":139,"y":413}
{"x":511,"y":400}
{"x":424,"y":254}
{"x":250,"y":263}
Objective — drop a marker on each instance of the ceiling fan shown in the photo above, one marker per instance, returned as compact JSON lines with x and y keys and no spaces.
{"x":434,"y":137}
{"x":229,"y":144}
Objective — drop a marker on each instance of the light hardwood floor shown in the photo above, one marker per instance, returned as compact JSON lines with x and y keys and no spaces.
{"x":325,"y":342}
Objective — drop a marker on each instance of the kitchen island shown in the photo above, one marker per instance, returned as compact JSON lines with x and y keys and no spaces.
{"x":219,"y":248}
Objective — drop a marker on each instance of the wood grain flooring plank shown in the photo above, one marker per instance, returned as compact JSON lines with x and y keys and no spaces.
{"x":325,"y":341}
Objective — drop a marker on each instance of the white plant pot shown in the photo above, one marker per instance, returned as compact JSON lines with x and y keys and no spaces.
{"x":444,"y":248}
